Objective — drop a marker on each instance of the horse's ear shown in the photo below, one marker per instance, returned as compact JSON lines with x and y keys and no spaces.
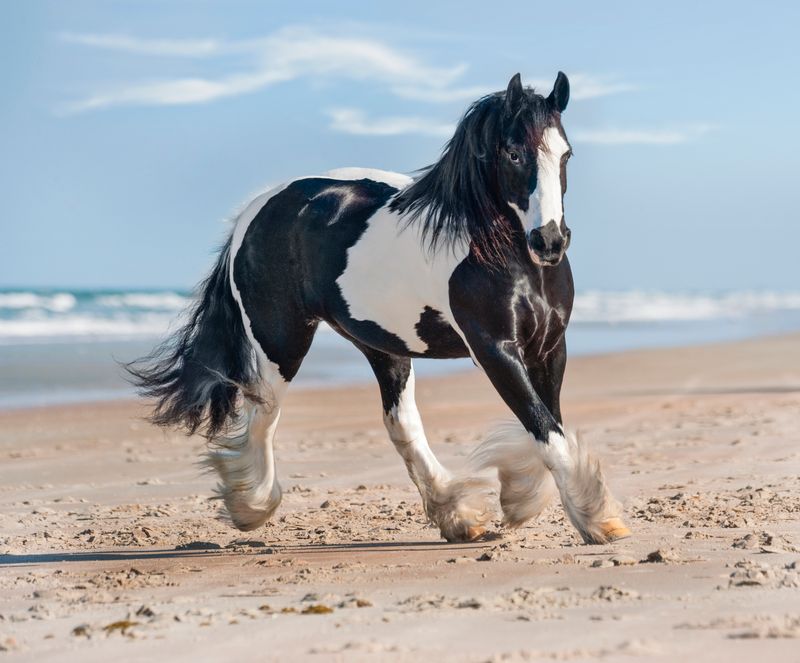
{"x":559,"y":97}
{"x":514,"y":94}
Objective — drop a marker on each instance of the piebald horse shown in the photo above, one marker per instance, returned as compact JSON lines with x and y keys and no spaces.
{"x":466,"y":260}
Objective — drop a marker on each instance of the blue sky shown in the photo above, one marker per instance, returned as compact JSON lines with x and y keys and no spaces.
{"x":131,"y":130}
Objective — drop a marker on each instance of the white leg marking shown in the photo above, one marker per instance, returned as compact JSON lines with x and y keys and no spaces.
{"x":457,"y":506}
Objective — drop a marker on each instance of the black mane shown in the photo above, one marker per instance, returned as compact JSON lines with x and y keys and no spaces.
{"x":455,"y":199}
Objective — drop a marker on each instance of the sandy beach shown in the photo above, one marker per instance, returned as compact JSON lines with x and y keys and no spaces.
{"x":110,"y":547}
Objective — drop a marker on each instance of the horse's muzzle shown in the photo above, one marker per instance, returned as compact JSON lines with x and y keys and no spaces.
{"x":549,"y":243}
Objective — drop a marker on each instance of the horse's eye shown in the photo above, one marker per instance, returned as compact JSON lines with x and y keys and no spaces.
{"x":514,"y":156}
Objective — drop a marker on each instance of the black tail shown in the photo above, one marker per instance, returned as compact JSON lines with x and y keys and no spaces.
{"x":196,"y":375}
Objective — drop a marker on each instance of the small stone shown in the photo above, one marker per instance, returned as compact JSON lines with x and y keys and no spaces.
{"x":145,"y":611}
{"x":82,"y":630}
{"x":661,"y":556}
{"x":602,"y":564}
{"x":623,"y":560}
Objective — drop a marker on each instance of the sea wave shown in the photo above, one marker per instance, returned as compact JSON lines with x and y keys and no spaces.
{"x":168,"y":301}
{"x":38,"y":316}
{"x":640,"y":306}
{"x":57,"y":302}
{"x":75,"y":326}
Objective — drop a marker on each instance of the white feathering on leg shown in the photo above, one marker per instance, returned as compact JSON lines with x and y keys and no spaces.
{"x":526,"y":487}
{"x":245,"y":463}
{"x":524,"y":466}
{"x":580,"y":480}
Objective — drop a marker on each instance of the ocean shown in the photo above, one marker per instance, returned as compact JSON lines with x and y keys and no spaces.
{"x":62,"y":346}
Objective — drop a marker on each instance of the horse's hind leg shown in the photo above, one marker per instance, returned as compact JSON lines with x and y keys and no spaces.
{"x":244,"y":458}
{"x":458,"y":507}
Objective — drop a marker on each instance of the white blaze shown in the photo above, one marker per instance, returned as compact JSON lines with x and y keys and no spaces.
{"x":546,"y":203}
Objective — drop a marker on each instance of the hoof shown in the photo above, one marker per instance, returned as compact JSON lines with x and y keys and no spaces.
{"x":475,"y":533}
{"x":614,"y":529}
{"x":460,"y":509}
{"x":464,"y":534}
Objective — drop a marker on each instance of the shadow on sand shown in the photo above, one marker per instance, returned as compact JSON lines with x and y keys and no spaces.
{"x":200,"y":550}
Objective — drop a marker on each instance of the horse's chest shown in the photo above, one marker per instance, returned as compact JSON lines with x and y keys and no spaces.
{"x":546,"y":325}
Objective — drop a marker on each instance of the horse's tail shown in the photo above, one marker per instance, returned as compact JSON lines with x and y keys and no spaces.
{"x":196,"y":375}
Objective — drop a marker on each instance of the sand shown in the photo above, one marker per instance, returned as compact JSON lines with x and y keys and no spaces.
{"x":111,"y":549}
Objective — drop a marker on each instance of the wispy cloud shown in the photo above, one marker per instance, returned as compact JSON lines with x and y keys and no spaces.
{"x":440,"y":95}
{"x":292,"y":53}
{"x":611,"y":136}
{"x":582,"y":86}
{"x":585,"y":86}
{"x":355,"y":121}
{"x":178,"y":91}
{"x":288,"y":54}
{"x":187,"y":48}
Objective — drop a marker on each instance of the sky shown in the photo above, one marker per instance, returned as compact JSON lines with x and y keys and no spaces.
{"x":130,"y":131}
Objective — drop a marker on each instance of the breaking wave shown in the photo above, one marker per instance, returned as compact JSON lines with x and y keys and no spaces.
{"x":30,"y":316}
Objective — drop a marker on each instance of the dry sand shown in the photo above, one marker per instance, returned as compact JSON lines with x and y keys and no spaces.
{"x":111,"y":550}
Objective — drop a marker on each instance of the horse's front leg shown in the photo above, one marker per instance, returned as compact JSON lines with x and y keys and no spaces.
{"x":520,"y":453}
{"x":457,"y":506}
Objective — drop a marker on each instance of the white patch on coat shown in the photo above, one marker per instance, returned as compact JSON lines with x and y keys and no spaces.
{"x":546,"y":202}
{"x":391,"y":277}
{"x":397,"y":180}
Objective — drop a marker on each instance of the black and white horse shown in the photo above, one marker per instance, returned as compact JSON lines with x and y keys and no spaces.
{"x":467,"y":260}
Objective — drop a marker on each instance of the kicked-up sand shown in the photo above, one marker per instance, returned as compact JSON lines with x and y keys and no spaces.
{"x":110,"y":548}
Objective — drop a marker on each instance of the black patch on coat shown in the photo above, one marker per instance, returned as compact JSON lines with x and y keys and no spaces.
{"x":442,"y":340}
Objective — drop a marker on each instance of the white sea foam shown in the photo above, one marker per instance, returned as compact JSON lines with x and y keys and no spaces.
{"x":638,"y":306}
{"x":57,"y":302}
{"x":31,"y":317}
{"x":35,"y":328}
{"x":168,"y":301}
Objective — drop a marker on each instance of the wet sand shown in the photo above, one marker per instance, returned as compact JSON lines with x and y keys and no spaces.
{"x":110,"y":547}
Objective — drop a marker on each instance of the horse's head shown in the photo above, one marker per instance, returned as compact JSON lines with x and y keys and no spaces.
{"x":532,"y":166}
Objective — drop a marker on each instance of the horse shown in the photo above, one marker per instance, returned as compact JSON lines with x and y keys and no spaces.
{"x":468,"y":259}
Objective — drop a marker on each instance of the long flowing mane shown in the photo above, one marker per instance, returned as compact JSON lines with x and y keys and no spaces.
{"x":455,"y":200}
